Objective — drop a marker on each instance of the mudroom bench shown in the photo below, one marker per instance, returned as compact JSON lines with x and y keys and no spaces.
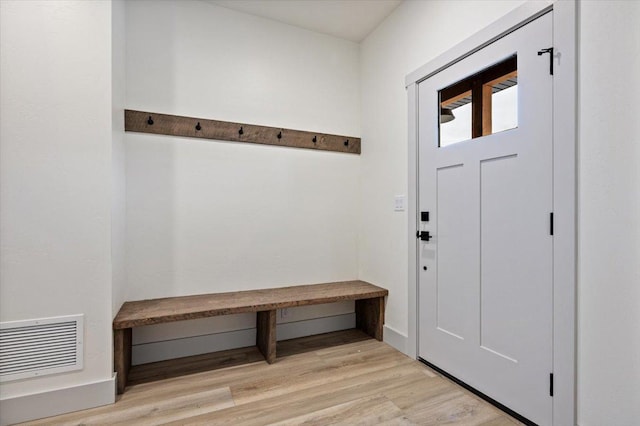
{"x":369,"y":309}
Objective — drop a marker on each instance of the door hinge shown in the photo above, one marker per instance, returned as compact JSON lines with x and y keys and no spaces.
{"x":548,"y":50}
{"x":551,"y":384}
{"x":551,"y":223}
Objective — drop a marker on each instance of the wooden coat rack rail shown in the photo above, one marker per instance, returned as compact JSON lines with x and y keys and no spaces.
{"x":175,"y":125}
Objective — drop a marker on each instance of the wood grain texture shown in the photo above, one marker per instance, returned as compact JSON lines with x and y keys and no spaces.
{"x":476,"y":109}
{"x":266,"y":334}
{"x":371,"y":410}
{"x":146,"y":373}
{"x":487,"y":111}
{"x":174,"y":125}
{"x":122,"y":356}
{"x":363,"y":381}
{"x":370,"y":316}
{"x":155,"y":311}
{"x":323,"y":344}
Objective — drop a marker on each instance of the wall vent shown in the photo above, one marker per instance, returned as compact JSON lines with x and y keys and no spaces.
{"x":40,"y":347}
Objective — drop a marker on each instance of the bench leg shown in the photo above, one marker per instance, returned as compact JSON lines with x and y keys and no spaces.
{"x":266,"y":334}
{"x":370,"y":316}
{"x":122,"y":356}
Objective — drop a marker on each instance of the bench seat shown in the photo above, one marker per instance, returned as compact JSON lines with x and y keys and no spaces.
{"x":265,"y":302}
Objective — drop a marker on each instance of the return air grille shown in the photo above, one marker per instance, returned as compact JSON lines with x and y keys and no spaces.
{"x":40,"y":347}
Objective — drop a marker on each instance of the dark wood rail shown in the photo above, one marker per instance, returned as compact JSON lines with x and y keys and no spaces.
{"x":175,"y":125}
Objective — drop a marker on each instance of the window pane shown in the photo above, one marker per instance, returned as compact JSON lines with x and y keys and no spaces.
{"x":481,"y":104}
{"x":459,"y":128}
{"x":504,"y":109}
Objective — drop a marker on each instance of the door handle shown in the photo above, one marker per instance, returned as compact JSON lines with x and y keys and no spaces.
{"x":423,"y":235}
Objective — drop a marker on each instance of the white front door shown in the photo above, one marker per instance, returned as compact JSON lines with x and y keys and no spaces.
{"x":485,"y":287}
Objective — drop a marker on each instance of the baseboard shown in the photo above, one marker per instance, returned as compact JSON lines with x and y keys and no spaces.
{"x":188,"y":346}
{"x":59,"y":401}
{"x":293,"y":330}
{"x":394,"y":338}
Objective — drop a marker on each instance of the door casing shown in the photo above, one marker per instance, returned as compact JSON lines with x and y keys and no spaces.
{"x":564,"y":184}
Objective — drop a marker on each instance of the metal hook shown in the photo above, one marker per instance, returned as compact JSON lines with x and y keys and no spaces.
{"x":346,"y":143}
{"x":198,"y":126}
{"x":315,"y":139}
{"x":280,"y":135}
{"x":150,"y":121}
{"x":240,"y":132}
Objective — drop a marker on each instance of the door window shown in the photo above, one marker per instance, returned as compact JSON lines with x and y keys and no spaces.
{"x":480,"y":105}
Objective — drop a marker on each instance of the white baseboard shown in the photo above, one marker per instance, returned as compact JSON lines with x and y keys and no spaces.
{"x":394,"y":338}
{"x":59,"y":401}
{"x":293,"y":330}
{"x":188,"y":346}
{"x":176,"y":348}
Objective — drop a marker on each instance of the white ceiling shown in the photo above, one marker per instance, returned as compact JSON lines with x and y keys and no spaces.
{"x":348,"y":19}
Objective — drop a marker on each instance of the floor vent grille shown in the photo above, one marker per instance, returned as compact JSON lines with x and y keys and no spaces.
{"x":40,"y":347}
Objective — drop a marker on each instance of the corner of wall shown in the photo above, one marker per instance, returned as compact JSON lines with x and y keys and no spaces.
{"x":118,"y":163}
{"x":398,"y":340}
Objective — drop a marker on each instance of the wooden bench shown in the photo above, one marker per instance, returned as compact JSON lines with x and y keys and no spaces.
{"x":369,"y":313}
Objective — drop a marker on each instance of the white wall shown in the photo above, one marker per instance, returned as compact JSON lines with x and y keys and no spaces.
{"x":209,"y":216}
{"x":118,"y":196}
{"x":55,"y":176}
{"x":411,"y":36}
{"x":609,"y":214}
{"x":609,"y":181}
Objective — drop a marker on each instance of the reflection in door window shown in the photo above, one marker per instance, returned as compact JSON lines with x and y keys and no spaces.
{"x":455,"y":121}
{"x":479,"y":105}
{"x":504,"y":109}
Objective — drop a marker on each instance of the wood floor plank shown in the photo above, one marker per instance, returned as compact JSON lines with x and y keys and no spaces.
{"x":462,"y":410}
{"x":282,"y":407}
{"x":422,"y":391}
{"x":324,"y":372}
{"x":440,"y":402}
{"x":397,"y":421}
{"x":370,"y":411}
{"x":228,"y":376}
{"x":503,"y":420}
{"x":183,"y":407}
{"x":363,"y":381}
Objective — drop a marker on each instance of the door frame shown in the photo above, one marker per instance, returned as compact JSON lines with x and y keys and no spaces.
{"x":564,"y":184}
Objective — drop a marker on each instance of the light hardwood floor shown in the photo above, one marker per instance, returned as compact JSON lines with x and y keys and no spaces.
{"x":337,"y":378}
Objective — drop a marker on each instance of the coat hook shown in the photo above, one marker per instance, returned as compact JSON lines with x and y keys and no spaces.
{"x":315,"y":139}
{"x":198,"y":126}
{"x":346,"y":143}
{"x":280,"y":135}
{"x":240,"y":131}
{"x":150,"y":121}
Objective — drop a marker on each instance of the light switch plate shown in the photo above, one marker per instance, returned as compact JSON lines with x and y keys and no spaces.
{"x":399,"y":204}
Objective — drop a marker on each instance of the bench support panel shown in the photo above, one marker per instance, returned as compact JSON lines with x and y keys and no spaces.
{"x":122,"y":356}
{"x":266,"y":334}
{"x":370,"y":316}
